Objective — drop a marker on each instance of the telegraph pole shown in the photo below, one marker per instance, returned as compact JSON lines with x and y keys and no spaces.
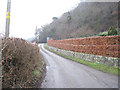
{"x":8,"y":18}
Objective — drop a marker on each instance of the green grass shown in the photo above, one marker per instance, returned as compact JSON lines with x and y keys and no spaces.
{"x":97,"y":66}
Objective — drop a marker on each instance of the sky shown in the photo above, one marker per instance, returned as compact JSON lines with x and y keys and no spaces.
{"x":27,"y":14}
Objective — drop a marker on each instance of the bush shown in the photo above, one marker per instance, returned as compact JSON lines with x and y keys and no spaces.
{"x":112,"y":31}
{"x":103,"y":34}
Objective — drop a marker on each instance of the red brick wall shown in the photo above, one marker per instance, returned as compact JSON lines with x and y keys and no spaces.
{"x":106,"y":46}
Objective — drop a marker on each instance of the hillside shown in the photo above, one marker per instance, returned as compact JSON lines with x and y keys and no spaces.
{"x":87,"y":19}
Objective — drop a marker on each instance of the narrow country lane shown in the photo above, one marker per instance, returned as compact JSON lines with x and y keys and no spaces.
{"x":64,"y":73}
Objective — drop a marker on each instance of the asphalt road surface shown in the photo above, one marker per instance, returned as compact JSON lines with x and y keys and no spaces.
{"x":64,"y":73}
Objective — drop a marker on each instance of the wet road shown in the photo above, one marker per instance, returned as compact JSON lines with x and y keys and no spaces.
{"x":64,"y":73}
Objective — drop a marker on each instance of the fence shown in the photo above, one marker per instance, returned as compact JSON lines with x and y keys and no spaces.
{"x":104,"y":46}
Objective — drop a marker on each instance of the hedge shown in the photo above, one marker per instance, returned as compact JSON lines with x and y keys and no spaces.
{"x":105,"y":46}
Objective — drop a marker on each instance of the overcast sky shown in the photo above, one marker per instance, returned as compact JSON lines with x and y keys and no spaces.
{"x":27,"y":14}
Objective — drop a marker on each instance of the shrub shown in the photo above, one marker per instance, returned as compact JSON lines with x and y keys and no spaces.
{"x":112,"y":31}
{"x":103,"y":34}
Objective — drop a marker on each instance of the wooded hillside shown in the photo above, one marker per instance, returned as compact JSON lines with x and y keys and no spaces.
{"x":87,"y":19}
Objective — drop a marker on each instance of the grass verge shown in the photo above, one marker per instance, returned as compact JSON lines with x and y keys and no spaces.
{"x":97,"y":66}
